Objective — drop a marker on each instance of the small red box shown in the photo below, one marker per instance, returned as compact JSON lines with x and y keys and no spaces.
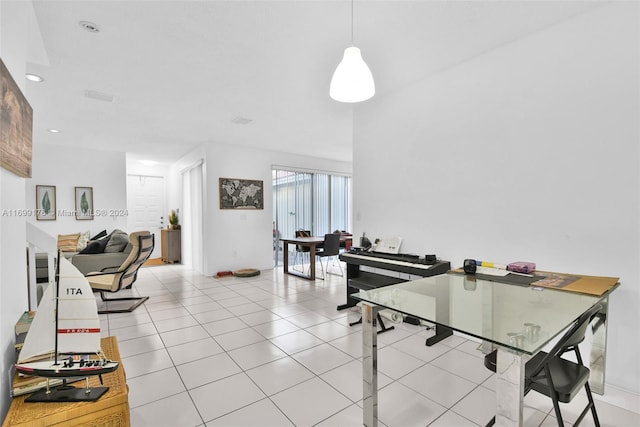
{"x":522,"y":267}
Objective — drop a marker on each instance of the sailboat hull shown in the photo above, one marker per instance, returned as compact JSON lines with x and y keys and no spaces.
{"x":66,"y":368}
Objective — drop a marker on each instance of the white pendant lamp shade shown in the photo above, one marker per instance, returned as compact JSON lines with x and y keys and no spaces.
{"x":352,"y":81}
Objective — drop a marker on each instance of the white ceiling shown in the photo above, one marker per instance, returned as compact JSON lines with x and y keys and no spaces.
{"x":181,"y":71}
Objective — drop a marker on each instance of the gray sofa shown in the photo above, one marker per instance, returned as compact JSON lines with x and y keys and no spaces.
{"x":98,"y":262}
{"x":86,"y":263}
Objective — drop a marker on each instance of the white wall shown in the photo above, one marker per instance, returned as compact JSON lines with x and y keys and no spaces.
{"x":66,"y":168}
{"x":528,"y":152}
{"x":14,"y":17}
{"x":236,"y":239}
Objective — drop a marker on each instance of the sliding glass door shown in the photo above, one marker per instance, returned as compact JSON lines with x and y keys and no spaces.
{"x":318,"y":202}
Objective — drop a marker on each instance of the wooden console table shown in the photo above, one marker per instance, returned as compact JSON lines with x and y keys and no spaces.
{"x":111,"y":410}
{"x":171,"y":245}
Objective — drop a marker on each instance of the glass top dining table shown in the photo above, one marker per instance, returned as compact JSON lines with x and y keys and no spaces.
{"x":518,"y":320}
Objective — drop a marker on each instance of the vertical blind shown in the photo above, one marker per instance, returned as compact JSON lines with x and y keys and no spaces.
{"x":318,"y":202}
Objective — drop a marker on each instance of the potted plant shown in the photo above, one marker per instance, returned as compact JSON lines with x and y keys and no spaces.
{"x":173,"y":220}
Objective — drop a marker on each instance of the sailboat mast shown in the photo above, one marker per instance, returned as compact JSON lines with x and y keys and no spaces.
{"x":57,"y":295}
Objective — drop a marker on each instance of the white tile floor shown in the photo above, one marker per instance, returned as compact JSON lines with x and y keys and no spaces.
{"x":272,"y":350}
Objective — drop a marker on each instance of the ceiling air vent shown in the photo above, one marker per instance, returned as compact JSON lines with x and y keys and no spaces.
{"x":98,"y":95}
{"x":241,"y":120}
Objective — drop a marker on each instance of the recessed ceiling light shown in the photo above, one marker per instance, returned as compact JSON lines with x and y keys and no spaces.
{"x":54,"y":130}
{"x":89,"y":26}
{"x":148,"y":162}
{"x":33,"y":77}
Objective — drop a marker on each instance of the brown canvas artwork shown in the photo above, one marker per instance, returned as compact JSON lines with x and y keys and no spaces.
{"x":16,"y":126}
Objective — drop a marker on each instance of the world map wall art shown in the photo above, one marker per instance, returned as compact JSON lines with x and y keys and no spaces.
{"x":241,"y":194}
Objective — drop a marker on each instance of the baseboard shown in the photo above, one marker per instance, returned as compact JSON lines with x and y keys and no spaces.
{"x":619,"y":397}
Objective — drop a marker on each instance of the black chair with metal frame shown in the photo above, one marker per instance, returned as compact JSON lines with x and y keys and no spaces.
{"x":330,"y":248}
{"x":558,"y":378}
{"x":301,"y":249}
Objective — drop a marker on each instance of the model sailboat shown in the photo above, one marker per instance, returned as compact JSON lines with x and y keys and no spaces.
{"x":64,"y":338}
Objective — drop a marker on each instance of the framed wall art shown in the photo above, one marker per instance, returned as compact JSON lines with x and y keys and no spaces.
{"x":16,"y":126}
{"x":84,"y":203}
{"x":46,"y":202}
{"x":241,"y":194}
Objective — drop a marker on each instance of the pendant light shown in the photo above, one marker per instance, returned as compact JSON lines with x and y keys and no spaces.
{"x":352,"y":81}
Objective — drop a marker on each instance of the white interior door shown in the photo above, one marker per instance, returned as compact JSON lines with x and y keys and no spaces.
{"x":145,"y":201}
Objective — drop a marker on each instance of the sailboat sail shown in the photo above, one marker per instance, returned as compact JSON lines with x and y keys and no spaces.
{"x":78,"y":321}
{"x":40,"y":340}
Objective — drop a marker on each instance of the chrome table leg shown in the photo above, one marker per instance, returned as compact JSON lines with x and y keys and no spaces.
{"x":509,"y":387}
{"x":599,"y":349}
{"x":369,"y":365}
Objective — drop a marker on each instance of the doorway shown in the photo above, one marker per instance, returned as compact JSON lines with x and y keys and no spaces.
{"x":308,"y":200}
{"x":192,"y":224}
{"x":146,"y":205}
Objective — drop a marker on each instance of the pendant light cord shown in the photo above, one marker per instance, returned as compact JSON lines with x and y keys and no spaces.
{"x":352,"y":23}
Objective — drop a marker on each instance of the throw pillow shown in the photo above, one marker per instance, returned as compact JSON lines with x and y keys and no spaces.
{"x":83,"y":240}
{"x":95,"y":247}
{"x":117,"y":242}
{"x":68,"y":242}
{"x":101,"y":234}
